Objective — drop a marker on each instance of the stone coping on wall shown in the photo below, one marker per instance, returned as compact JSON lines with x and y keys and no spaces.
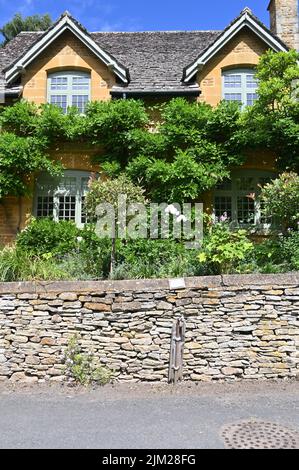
{"x":238,"y":281}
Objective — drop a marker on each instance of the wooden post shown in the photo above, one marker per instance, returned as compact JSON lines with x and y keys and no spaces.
{"x":177,"y":351}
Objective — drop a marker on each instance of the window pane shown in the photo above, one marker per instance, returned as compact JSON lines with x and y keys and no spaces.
{"x":80,"y":83}
{"x":225,"y":185}
{"x":59,"y":83}
{"x":233,"y":97}
{"x":45,"y":206}
{"x":251,"y":98}
{"x":245,"y":183}
{"x":84,"y":185}
{"x":60,"y":100}
{"x":251,"y":81}
{"x":232,"y":81}
{"x":80,"y":101}
{"x":67,"y":208}
{"x":63,"y":197}
{"x":245,"y":210}
{"x":68,"y":184}
{"x":223,"y":205}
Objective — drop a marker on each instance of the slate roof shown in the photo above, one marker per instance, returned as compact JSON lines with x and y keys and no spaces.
{"x":155,"y":59}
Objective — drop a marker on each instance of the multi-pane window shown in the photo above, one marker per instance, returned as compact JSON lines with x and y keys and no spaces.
{"x":238,"y":198}
{"x":62,"y":198}
{"x":67,"y":89}
{"x":240,"y":85}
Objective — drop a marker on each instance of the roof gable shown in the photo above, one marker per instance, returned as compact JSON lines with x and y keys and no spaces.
{"x":65,"y":23}
{"x":246,"y":19}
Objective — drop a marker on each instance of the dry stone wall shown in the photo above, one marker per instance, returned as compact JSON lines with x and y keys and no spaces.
{"x":237,"y":327}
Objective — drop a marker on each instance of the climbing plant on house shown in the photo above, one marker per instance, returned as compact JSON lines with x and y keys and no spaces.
{"x":189,"y":149}
{"x":273,"y":122}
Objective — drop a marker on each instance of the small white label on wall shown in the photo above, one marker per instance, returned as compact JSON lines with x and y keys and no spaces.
{"x":177,"y":283}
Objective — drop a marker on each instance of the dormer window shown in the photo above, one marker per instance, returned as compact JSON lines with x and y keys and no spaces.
{"x":239,"y":85}
{"x":69,"y":88}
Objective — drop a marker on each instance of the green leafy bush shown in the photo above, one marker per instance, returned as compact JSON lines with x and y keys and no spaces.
{"x":92,"y":258}
{"x":45,"y":236}
{"x":224,"y":249}
{"x":155,"y":258}
{"x":276,"y":255}
{"x":19,"y":157}
{"x":281,"y":199}
{"x":290,"y":249}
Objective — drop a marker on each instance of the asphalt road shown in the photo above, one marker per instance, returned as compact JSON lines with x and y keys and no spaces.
{"x":139,"y":417}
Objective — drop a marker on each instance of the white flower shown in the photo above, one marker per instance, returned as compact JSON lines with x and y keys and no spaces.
{"x":79,"y":239}
{"x":171,"y":209}
{"x":181,"y":218}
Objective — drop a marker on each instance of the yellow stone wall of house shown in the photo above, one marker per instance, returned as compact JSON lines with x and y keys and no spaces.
{"x":244,"y":50}
{"x":66,"y":53}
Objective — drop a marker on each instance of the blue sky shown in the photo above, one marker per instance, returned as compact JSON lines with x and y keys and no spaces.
{"x":139,"y":15}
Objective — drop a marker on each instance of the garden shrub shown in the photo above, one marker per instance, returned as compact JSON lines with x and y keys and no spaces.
{"x":281,"y":200}
{"x":290,"y":249}
{"x":224,"y":249}
{"x":45,"y":236}
{"x":92,"y":257}
{"x":148,"y":258}
{"x":276,"y":255}
{"x":267,"y":257}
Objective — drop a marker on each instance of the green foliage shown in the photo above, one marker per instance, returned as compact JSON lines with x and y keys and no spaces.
{"x":92,"y":258}
{"x":28,"y":23}
{"x":20,"y":119}
{"x":182,"y":179}
{"x":140,"y":259}
{"x":290,"y":250}
{"x":44,"y":236}
{"x":191,"y":139}
{"x":79,"y":254}
{"x":109,"y":191}
{"x":277,"y":73}
{"x":273,"y":121}
{"x":224,"y":249}
{"x":276,"y":255}
{"x":281,"y":199}
{"x":109,"y":123}
{"x":19,"y":157}
{"x":82,"y":368}
{"x":190,"y":151}
{"x":19,"y":265}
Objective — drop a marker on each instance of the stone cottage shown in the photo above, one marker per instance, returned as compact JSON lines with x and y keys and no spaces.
{"x":69,"y":66}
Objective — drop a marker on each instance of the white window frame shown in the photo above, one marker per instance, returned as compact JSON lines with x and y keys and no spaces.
{"x":243,"y":90}
{"x":235,"y":192}
{"x":47,"y":186}
{"x":69,"y":92}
